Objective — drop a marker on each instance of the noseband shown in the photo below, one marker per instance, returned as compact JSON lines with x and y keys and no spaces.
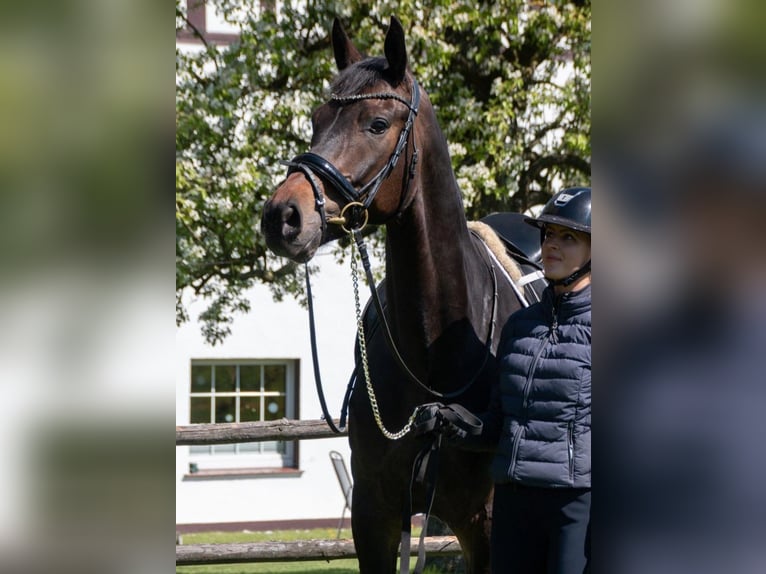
{"x":357,"y":200}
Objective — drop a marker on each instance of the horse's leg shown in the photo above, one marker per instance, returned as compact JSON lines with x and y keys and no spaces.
{"x":470,"y":523}
{"x":474,"y":542}
{"x":376,"y":531}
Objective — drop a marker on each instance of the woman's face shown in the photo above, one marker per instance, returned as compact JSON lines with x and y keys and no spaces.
{"x":564,"y":252}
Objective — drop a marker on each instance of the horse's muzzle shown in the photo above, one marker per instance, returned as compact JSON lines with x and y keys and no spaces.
{"x":283,"y":227}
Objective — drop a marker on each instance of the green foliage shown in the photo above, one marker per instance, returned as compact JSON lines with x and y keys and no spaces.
{"x":509,"y":79}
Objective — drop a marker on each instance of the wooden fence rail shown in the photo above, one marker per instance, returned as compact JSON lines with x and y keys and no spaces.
{"x":227,"y":433}
{"x":295,"y":551}
{"x":299,"y":550}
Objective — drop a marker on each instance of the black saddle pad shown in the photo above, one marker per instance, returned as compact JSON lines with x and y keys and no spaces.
{"x":522,"y":239}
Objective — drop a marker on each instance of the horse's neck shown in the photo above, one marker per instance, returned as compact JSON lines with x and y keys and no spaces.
{"x":432,"y":266}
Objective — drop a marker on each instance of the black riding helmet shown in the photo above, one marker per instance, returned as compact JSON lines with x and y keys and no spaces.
{"x":569,"y":208}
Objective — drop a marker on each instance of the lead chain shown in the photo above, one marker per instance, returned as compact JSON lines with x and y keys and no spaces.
{"x":363,"y":351}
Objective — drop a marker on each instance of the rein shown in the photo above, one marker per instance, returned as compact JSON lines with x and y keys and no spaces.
{"x":357,"y":236}
{"x":358,"y":241}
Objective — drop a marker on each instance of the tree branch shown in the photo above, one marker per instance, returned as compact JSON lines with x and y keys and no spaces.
{"x":208,"y":48}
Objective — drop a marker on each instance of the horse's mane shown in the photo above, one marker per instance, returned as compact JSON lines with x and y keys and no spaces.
{"x":359,"y":76}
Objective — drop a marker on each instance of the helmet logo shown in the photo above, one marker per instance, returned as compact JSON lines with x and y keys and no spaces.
{"x":563,"y":199}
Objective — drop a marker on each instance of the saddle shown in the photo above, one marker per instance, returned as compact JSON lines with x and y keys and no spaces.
{"x":517,"y":246}
{"x":522,"y":240}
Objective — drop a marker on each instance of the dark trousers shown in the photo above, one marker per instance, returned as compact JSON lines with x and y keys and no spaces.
{"x":539,"y":530}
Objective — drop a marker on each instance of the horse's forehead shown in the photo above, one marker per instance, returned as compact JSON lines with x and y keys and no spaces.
{"x":359,"y":77}
{"x":325,"y":115}
{"x":333,"y":115}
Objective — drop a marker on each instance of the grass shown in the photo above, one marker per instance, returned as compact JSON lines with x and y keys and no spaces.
{"x":333,"y":567}
{"x":263,"y":536}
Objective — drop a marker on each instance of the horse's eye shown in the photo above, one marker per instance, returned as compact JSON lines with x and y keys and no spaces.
{"x":378,"y":126}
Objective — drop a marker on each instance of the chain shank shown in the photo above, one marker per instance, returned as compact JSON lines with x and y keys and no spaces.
{"x":363,"y":352}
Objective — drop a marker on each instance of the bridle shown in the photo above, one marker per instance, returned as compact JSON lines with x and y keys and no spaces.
{"x":354,"y":213}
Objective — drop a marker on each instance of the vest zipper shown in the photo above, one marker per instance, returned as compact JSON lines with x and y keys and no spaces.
{"x":570,"y":448}
{"x":531,"y":373}
{"x":515,"y":450}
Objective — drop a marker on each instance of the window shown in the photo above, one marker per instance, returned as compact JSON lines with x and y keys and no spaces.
{"x":202,"y":19}
{"x":242,"y":391}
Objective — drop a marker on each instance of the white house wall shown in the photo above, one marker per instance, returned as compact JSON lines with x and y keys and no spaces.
{"x":275,"y":330}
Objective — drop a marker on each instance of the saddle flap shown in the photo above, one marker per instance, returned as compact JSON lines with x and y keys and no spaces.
{"x":522,"y":240}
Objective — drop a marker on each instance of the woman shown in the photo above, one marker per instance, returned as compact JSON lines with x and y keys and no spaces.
{"x":540,"y":411}
{"x":538,"y":422}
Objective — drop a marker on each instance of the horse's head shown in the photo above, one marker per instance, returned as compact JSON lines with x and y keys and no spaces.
{"x":362,"y":155}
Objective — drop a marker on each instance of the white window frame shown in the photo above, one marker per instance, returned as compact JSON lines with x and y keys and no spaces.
{"x":212,"y":460}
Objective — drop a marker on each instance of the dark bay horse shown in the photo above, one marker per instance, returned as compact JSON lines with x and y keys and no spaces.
{"x":377,"y":142}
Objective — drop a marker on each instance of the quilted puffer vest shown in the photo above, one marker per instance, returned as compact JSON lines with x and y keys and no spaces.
{"x":545,"y":394}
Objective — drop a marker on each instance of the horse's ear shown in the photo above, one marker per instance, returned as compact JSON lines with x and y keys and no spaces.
{"x":344,"y":49}
{"x":396,"y":52}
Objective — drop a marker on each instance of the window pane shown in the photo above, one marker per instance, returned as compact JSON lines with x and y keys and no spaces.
{"x":201,"y":378}
{"x":275,"y":408}
{"x":273,"y":446}
{"x":225,"y":410}
{"x":225,"y":377}
{"x":274,"y":378}
{"x":250,"y":378}
{"x":200,"y":410}
{"x":249,"y":409}
{"x":250,"y":447}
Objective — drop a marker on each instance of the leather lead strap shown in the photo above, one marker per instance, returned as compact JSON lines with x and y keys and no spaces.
{"x":317,"y":376}
{"x":425,"y":469}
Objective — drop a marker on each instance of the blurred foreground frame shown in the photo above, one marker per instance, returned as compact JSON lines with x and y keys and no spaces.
{"x":682,"y":325}
{"x":86,"y":251}
{"x":100,"y":499}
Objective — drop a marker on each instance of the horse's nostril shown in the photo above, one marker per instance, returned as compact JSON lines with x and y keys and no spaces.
{"x":291,"y":221}
{"x":291,"y":217}
{"x":281,"y":222}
